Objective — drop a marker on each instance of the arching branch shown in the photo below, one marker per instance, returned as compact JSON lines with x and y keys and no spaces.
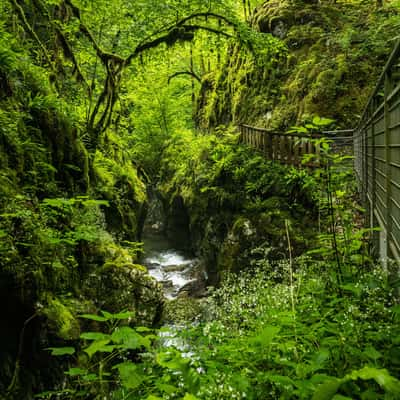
{"x":181,"y":31}
{"x":102,"y":54}
{"x":178,"y":33}
{"x":192,"y":74}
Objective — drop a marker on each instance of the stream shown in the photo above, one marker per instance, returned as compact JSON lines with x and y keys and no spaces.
{"x":174,"y":269}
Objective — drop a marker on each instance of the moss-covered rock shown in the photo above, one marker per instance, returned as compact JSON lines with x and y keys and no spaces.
{"x":120,"y":285}
{"x":335,"y":53}
{"x":61,"y":320}
{"x":182,"y":310}
{"x":238,"y":204}
{"x":65,"y":209}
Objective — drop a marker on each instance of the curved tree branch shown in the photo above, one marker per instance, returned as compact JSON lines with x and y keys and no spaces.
{"x":191,"y":73}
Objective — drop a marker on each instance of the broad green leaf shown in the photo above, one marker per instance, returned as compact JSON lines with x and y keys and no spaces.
{"x":94,"y":336}
{"x":280,"y":379}
{"x":320,"y":357}
{"x":372,"y":353}
{"x":61,"y":351}
{"x":169,"y":389}
{"x":172,"y":359}
{"x":380,"y":376}
{"x":142,"y":329}
{"x":189,"y":396}
{"x":267,"y":335}
{"x":327,"y":390}
{"x":99,"y":345}
{"x":130,"y":339}
{"x":124,"y":315}
{"x":151,"y":397}
{"x":94,"y":317}
{"x":131,"y":376}
{"x":322,"y":121}
{"x":107,"y":314}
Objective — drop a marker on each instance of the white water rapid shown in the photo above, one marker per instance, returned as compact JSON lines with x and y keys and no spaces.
{"x":171,"y":267}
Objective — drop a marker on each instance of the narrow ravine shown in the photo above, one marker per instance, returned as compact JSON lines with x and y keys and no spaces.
{"x":173,"y":268}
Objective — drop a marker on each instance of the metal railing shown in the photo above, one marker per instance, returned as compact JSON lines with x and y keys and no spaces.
{"x":377,"y":159}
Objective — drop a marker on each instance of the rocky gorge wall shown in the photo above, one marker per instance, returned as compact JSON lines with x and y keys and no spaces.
{"x":69,"y":222}
{"x":233,"y":204}
{"x":334,"y":54}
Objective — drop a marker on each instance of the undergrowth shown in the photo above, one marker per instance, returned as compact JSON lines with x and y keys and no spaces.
{"x":322,"y":326}
{"x":256,"y":341}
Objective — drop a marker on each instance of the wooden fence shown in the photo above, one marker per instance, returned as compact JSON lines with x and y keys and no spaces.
{"x":285,"y":148}
{"x":289,"y":148}
{"x":377,"y":159}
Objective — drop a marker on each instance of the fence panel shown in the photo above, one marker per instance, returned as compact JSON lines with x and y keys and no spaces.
{"x":284,"y":148}
{"x":377,"y":159}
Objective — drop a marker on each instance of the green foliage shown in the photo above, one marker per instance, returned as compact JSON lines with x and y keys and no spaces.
{"x":252,"y":341}
{"x":330,"y":66}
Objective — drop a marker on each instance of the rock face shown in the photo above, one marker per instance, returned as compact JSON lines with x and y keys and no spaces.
{"x":64,"y":213}
{"x":227,"y":239}
{"x":177,"y":224}
{"x":328,"y":66}
{"x":126,"y":287}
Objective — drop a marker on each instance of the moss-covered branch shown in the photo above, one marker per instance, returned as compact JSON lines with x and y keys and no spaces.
{"x":21,"y":15}
{"x":190,"y":73}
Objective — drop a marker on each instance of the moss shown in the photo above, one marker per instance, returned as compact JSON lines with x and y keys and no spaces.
{"x":330,"y":67}
{"x":61,"y":320}
{"x":182,"y":310}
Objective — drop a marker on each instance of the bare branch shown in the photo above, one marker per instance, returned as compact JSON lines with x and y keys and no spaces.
{"x":192,"y":74}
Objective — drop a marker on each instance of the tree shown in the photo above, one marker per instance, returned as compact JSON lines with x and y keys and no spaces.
{"x":87,"y":43}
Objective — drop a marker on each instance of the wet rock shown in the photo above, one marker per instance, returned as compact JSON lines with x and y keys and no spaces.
{"x":126,"y":287}
{"x":176,"y":268}
{"x":177,"y":226}
{"x":167,"y":284}
{"x":152,"y":265}
{"x":195,"y":288}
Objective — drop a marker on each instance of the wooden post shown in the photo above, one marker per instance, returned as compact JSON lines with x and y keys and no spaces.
{"x":269,"y":147}
{"x":317,"y":154}
{"x":289,"y":149}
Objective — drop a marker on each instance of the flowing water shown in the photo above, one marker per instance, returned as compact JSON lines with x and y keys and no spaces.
{"x":171,"y":267}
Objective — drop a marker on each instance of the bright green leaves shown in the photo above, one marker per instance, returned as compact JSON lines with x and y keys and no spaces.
{"x":267,"y":335}
{"x":61,"y":351}
{"x":322,"y":122}
{"x":131,"y":375}
{"x":172,"y":359}
{"x":99,"y":346}
{"x":106,"y":316}
{"x":130,"y":339}
{"x":328,"y":389}
{"x":380,"y":376}
{"x":122,"y":338}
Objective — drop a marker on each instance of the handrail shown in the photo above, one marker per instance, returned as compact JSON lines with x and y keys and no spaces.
{"x":376,"y":163}
{"x":289,"y":148}
{"x":381,"y":80}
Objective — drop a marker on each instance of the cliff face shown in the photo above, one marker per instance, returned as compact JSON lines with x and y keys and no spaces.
{"x":64,"y":213}
{"x":334,"y":54}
